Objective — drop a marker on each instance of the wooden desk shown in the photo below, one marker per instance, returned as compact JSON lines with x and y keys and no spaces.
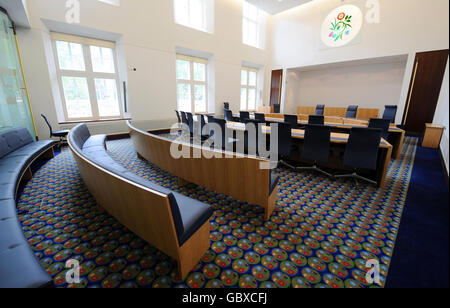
{"x":338,"y":141}
{"x":363,"y":113}
{"x":433,"y":135}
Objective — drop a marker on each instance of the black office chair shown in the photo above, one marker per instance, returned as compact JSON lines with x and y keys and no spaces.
{"x":223,"y":127}
{"x":320,"y":109}
{"x":276,"y":108}
{"x":226,"y":106}
{"x":201,"y":123}
{"x":382,"y":124}
{"x":190,"y":119}
{"x":184,"y":118}
{"x":292,"y":120}
{"x":316,"y":119}
{"x":390,"y":112}
{"x":178,"y":116}
{"x":228,"y":115}
{"x":361,"y":152}
{"x":251,"y":146}
{"x":285,"y":145}
{"x":210,"y":118}
{"x":316,"y":146}
{"x":243,"y":115}
{"x":351,"y":112}
{"x":260,"y":117}
{"x":61,"y":134}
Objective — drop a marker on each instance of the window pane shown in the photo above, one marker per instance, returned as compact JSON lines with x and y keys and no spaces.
{"x":196,"y":13}
{"x":107,"y":99}
{"x":243,"y":98}
{"x":252,"y":35}
{"x":200,"y":98}
{"x":182,"y":11}
{"x":243,"y":77}
{"x":183,"y":70}
{"x":76,"y":93}
{"x":70,"y":56}
{"x":245,"y":31}
{"x":199,"y":71}
{"x":102,"y":60}
{"x":252,"y":12}
{"x":251,"y":99}
{"x":252,"y":78}
{"x":184,"y":97}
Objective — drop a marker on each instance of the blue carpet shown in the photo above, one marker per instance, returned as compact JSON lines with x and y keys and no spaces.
{"x":421,"y":254}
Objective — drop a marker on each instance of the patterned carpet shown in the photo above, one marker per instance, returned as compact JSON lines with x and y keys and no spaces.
{"x":320,"y":235}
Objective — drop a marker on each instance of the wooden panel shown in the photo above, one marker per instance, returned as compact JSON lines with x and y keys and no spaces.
{"x":433,"y":136}
{"x":235,"y":175}
{"x":265,"y":109}
{"x":367,"y":113}
{"x":335,"y":111}
{"x":306,"y":110}
{"x":276,"y":87}
{"x":333,"y":120}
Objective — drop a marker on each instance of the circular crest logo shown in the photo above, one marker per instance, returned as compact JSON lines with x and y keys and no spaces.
{"x":341,"y":26}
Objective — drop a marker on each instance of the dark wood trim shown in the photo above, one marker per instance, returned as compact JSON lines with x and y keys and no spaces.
{"x":127,"y":135}
{"x":443,"y":165}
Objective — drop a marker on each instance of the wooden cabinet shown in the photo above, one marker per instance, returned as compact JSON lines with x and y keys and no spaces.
{"x":433,"y":135}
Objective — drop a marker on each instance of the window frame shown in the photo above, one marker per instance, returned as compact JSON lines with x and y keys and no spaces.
{"x":88,"y":74}
{"x":247,"y":87}
{"x":192,"y":82}
{"x":249,"y":20}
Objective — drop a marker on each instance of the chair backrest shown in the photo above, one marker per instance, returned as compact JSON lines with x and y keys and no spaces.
{"x":260,"y":117}
{"x":276,"y":108}
{"x":48,"y":124}
{"x":226,"y":106}
{"x":291,"y":119}
{"x":351,"y":112}
{"x":201,"y":120}
{"x":316,"y":119}
{"x":382,"y":124}
{"x":190,"y":119}
{"x":362,"y":148}
{"x":320,"y":109}
{"x":316,"y":145}
{"x":184,"y":118}
{"x":244,"y":115}
{"x":284,"y":138}
{"x":178,"y":116}
{"x":390,"y":112}
{"x":222,"y":124}
{"x":228,"y":115}
{"x":252,"y":146}
{"x":14,"y":139}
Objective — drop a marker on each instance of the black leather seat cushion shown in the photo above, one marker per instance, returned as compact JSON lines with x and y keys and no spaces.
{"x":7,"y":209}
{"x":274,"y":179}
{"x":11,"y":168}
{"x":33,"y":149}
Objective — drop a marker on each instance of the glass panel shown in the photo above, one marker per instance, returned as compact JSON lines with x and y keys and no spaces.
{"x":70,"y":56}
{"x":183,"y":70}
{"x":102,"y":60}
{"x":199,"y":71}
{"x":14,"y":108}
{"x":184,"y":97}
{"x":200,"y":98}
{"x":245,"y":31}
{"x":196,"y":14}
{"x":252,"y":39}
{"x":107,"y":98}
{"x":252,"y":12}
{"x":182,"y":11}
{"x":243,"y":77}
{"x":251,"y":99}
{"x":243,"y":98}
{"x":252,"y":78}
{"x":76,"y":93}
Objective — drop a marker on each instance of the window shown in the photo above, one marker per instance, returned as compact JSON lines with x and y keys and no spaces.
{"x":87,"y":73}
{"x":253,"y":26}
{"x":192,"y":86}
{"x":248,"y":88}
{"x":197,"y":14}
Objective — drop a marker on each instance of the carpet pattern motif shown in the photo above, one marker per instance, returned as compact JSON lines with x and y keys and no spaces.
{"x":320,"y":235}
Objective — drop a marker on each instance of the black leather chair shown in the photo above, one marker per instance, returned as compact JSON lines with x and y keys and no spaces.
{"x":292,"y":120}
{"x":226,"y":106}
{"x":285,"y":145}
{"x":260,"y":117}
{"x":184,"y":118}
{"x":225,"y":142}
{"x":361,"y":152}
{"x":382,"y":124}
{"x":61,"y":134}
{"x":316,"y":146}
{"x":244,"y":115}
{"x":316,"y":119}
{"x":229,"y":115}
{"x":320,"y":109}
{"x":351,"y":112}
{"x":251,"y":147}
{"x":190,"y":119}
{"x":390,"y":112}
{"x":178,"y":116}
{"x":276,"y":108}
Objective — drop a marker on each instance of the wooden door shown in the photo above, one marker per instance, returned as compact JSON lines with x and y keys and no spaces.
{"x":275,"y":90}
{"x":424,"y":90}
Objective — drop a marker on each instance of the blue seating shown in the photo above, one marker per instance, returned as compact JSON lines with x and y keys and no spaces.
{"x":352,"y":111}
{"x":390,"y":112}
{"x":19,"y":267}
{"x":320,"y":110}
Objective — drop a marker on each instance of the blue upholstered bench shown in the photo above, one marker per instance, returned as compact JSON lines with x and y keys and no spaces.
{"x":188,"y":215}
{"x":19,"y":267}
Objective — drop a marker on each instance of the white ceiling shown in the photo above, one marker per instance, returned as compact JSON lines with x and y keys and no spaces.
{"x":17,"y":11}
{"x":277,"y":6}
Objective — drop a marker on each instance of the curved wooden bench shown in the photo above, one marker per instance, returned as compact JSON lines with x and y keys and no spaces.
{"x":175,"y":224}
{"x":238,"y":175}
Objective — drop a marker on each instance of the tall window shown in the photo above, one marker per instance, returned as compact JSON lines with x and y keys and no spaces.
{"x":194,"y":13}
{"x":192,"y":86}
{"x":248,"y":88}
{"x":253,"y":26}
{"x":88,"y":79}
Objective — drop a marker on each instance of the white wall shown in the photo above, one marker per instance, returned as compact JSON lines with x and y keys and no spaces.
{"x":365,"y":85}
{"x":442,"y":117}
{"x":148,"y":41}
{"x":406,"y":27}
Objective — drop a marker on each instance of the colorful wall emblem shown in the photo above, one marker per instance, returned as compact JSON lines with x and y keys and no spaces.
{"x":341,"y":26}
